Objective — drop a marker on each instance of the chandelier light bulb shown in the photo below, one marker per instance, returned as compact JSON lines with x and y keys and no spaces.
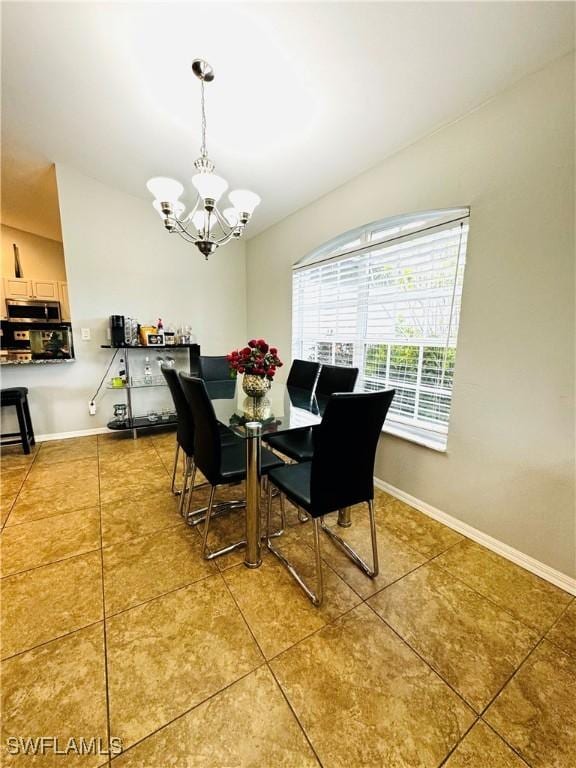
{"x":244,"y":201}
{"x":178,"y":207}
{"x":164,"y":189}
{"x":209,"y":186}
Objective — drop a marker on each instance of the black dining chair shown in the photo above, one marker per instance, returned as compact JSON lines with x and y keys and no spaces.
{"x":220,"y":463}
{"x":340,"y":474}
{"x":184,"y":429}
{"x":213,"y":368}
{"x":303,"y":374}
{"x":298,"y":444}
{"x":335,"y":378}
{"x":185,"y":433}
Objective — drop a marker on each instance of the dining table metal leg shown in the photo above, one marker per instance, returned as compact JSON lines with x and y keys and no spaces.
{"x":344,"y":520}
{"x":252,"y":555}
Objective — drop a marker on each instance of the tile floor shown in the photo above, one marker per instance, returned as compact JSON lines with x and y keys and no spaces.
{"x":112,"y":626}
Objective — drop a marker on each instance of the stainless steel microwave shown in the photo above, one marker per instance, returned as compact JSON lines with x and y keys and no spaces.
{"x":33,"y":311}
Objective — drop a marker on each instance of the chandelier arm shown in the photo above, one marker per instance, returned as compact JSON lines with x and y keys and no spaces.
{"x":186,"y":236}
{"x":224,"y":223}
{"x":181,"y":223}
{"x":225,"y":239}
{"x":182,"y":230}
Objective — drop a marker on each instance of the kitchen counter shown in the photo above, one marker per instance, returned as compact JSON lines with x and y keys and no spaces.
{"x":34,"y":362}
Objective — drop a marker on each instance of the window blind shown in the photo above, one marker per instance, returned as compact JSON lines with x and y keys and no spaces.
{"x":392,"y":310}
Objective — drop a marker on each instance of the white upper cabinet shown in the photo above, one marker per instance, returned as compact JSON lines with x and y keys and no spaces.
{"x":17,"y":288}
{"x":45,"y":289}
{"x":20,"y":288}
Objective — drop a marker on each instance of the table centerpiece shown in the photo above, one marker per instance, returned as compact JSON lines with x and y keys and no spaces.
{"x":257,"y":362}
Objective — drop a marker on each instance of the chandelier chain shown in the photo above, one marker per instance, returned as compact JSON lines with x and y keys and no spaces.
{"x":203,"y":151}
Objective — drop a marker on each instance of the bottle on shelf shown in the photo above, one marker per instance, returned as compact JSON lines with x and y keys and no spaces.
{"x":122,"y":371}
{"x":160,"y":329}
{"x":147,"y":371}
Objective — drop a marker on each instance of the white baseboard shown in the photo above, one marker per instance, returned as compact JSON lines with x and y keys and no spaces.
{"x":555,"y":577}
{"x":66,"y":435}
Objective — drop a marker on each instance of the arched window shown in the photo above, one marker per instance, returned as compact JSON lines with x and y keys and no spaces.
{"x":385,"y":298}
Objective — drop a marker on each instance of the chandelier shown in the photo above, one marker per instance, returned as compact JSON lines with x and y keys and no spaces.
{"x":205,"y":225}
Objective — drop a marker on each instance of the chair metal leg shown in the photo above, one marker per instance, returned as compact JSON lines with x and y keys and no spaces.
{"x":206,"y":552}
{"x":187,"y":474}
{"x":197,"y":516}
{"x":315,"y":597}
{"x":282,"y":509}
{"x":191,"y":489}
{"x":354,"y":556}
{"x":175,"y":490}
{"x":376,"y":566}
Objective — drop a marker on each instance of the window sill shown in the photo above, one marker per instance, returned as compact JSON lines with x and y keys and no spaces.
{"x":415,"y":435}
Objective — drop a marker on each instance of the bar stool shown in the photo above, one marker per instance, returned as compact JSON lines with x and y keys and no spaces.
{"x":18,"y":397}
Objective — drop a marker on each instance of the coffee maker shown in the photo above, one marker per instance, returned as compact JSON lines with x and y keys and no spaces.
{"x":117,"y":338}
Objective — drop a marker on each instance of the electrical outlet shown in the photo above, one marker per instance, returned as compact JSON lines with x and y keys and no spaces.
{"x":92,"y":408}
{"x":85,"y":332}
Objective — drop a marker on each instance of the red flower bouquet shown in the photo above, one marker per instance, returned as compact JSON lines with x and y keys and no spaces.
{"x":255,"y":359}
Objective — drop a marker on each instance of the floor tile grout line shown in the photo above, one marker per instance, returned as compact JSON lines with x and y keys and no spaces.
{"x":499,"y":735}
{"x":54,"y":514}
{"x":104,"y":626}
{"x":441,"y":674}
{"x":289,"y":703}
{"x":138,"y":536}
{"x":189,"y":710}
{"x":511,"y":677}
{"x":22,"y":484}
{"x":560,"y":617}
{"x":241,"y":612}
{"x":540,"y":632}
{"x":51,"y":640}
{"x":162,"y":594}
{"x":428,"y":664}
{"x":52,"y":562}
{"x":314,"y":632}
{"x":468,"y":586}
{"x":460,"y":740}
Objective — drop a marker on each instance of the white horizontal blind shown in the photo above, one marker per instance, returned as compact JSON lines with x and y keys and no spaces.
{"x":392,"y":310}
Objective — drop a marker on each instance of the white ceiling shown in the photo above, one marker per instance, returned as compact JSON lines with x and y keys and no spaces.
{"x":306,"y":95}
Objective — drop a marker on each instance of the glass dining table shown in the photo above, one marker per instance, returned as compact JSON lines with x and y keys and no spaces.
{"x":282,"y":409}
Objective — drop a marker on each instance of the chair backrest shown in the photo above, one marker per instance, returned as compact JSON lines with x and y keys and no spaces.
{"x":345,"y":443}
{"x":185,"y":428}
{"x":335,"y":378}
{"x":207,"y":443}
{"x":303,"y":374}
{"x":213,"y":368}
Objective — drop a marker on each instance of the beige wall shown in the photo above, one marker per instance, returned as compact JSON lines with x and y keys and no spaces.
{"x":120,"y":260}
{"x":40,"y":258}
{"x":510,"y":461}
